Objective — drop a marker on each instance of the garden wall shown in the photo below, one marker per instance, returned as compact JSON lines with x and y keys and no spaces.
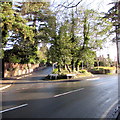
{"x":15,"y":69}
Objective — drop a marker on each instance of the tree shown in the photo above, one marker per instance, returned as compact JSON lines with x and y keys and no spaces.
{"x":82,"y":33}
{"x":35,"y":12}
{"x":11,"y":24}
{"x":92,"y":27}
{"x":42,"y":53}
{"x":60,"y":50}
{"x":113,"y":14}
{"x":39,"y":16}
{"x":74,"y":41}
{"x":28,"y":36}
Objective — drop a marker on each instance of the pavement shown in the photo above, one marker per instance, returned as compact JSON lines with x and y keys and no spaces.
{"x":118,"y":117}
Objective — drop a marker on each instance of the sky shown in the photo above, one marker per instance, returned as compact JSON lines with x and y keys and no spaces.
{"x":102,"y":6}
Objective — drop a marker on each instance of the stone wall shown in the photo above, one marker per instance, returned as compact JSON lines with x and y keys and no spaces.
{"x":15,"y":69}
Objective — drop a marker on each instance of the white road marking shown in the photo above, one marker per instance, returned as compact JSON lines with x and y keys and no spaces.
{"x":7,"y":86}
{"x":93,"y":78}
{"x":101,"y":83}
{"x":105,"y":114}
{"x":23,"y":88}
{"x":13,"y":108}
{"x":108,"y":100}
{"x":68,"y":92}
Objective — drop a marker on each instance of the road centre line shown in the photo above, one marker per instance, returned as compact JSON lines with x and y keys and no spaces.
{"x":68,"y":92}
{"x":101,"y":83}
{"x":108,"y":100}
{"x":93,"y":78}
{"x":13,"y":108}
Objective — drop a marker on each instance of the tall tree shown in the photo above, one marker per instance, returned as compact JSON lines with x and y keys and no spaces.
{"x":29,"y":30}
{"x":93,"y":32}
{"x":12,"y":23}
{"x":113,"y":14}
{"x":74,"y":41}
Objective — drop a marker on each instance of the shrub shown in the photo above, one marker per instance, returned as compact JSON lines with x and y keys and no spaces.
{"x":43,"y":61}
{"x":11,"y":69}
{"x":83,"y":71}
{"x":64,"y":72}
{"x":32,"y":61}
{"x":55,"y":71}
{"x":103,"y":70}
{"x":14,"y":59}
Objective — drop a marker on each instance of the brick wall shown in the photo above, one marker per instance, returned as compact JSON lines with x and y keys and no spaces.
{"x":15,"y":69}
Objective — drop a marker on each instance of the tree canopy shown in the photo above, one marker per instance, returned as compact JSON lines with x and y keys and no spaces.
{"x":72,"y":36}
{"x":78,"y":38}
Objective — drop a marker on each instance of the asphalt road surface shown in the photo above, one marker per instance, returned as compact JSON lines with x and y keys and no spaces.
{"x":33,"y":97}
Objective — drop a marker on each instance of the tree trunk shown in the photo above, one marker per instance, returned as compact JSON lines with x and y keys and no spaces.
{"x":2,"y":68}
{"x":59,"y":70}
{"x":82,"y":64}
{"x":68,"y":68}
{"x":73,"y":65}
{"x":77,"y":65}
{"x":64,"y":66}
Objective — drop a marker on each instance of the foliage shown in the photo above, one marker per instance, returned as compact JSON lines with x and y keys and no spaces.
{"x":7,"y":19}
{"x":36,"y":12}
{"x":83,"y":71}
{"x":110,"y":68}
{"x":72,"y":40}
{"x":42,"y":53}
{"x":1,"y":53}
{"x":21,"y":55}
{"x":14,"y":23}
{"x":55,"y":71}
{"x":18,"y":34}
{"x":113,"y":16}
{"x":103,"y":70}
{"x":61,"y":47}
{"x":43,"y":61}
{"x":77,"y":38}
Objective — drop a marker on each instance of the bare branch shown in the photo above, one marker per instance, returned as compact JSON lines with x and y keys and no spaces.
{"x":73,"y":5}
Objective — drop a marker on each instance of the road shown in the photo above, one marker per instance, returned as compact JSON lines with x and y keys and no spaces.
{"x":37,"y":98}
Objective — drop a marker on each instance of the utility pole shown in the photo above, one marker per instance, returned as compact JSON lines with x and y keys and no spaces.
{"x":117,"y":27}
